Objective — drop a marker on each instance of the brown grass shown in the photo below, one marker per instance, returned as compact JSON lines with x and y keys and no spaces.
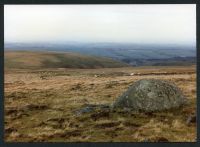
{"x":42,"y":109}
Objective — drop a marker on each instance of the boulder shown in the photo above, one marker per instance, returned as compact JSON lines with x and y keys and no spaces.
{"x":151,"y":95}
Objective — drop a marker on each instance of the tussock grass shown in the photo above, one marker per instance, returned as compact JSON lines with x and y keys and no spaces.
{"x":38,"y":110}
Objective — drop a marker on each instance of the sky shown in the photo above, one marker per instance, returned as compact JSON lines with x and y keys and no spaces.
{"x":175,"y":23}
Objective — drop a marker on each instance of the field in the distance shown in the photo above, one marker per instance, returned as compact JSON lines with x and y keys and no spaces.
{"x":47,"y":59}
{"x":40,"y":105}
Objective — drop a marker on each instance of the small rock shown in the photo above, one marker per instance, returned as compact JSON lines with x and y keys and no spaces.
{"x":85,"y":110}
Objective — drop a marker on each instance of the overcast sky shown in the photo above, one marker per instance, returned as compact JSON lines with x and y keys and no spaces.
{"x":101,"y":23}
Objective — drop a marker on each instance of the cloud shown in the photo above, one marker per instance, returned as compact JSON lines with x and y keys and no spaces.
{"x":101,"y":23}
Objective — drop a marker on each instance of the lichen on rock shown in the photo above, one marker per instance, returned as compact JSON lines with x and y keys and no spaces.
{"x":151,"y":95}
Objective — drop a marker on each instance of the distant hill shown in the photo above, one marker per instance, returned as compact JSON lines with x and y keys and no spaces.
{"x":45,"y":59}
{"x":113,"y":50}
{"x":130,"y":53}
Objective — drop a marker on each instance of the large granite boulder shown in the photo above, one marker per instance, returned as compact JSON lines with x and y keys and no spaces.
{"x":151,"y":95}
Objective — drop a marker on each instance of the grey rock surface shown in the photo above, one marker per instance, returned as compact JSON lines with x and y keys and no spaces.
{"x":151,"y":95}
{"x":92,"y":108}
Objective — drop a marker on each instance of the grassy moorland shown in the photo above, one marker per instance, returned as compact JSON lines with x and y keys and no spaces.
{"x":40,"y":104}
{"x":41,"y":59}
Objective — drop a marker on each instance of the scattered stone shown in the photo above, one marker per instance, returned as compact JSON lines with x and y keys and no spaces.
{"x":85,"y":110}
{"x":151,"y":95}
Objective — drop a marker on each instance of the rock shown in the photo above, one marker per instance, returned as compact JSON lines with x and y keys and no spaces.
{"x":85,"y":110}
{"x":151,"y":95}
{"x":97,"y":111}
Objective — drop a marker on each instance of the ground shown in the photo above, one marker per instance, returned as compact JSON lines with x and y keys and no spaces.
{"x":40,"y":105}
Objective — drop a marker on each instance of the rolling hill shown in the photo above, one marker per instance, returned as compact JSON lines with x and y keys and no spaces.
{"x":45,"y":59}
{"x":130,"y":53}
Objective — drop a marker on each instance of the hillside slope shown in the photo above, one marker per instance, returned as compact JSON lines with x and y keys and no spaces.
{"x":130,"y":53}
{"x":39,"y":59}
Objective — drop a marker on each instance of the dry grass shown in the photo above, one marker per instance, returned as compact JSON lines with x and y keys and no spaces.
{"x":44,"y":59}
{"x":40,"y":105}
